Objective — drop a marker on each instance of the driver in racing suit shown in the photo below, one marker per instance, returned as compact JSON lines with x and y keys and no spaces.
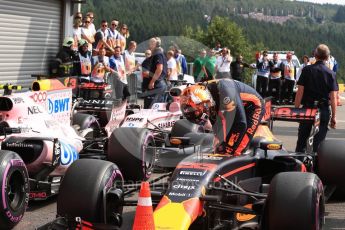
{"x":234,"y":109}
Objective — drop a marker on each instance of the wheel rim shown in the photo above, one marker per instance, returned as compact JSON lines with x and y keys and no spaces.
{"x":15,"y":190}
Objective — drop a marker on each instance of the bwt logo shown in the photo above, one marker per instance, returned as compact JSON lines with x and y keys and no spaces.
{"x":58,"y":106}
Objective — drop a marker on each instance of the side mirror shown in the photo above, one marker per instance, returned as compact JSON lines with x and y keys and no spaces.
{"x":271,"y":145}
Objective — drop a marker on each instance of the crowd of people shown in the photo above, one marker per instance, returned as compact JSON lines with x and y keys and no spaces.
{"x":104,"y":55}
{"x":217,"y":63}
{"x":234,"y":108}
{"x":277,"y":78}
{"x":96,"y":54}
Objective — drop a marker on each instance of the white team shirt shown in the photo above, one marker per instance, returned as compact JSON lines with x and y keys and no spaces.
{"x":222,"y":64}
{"x":172,"y":65}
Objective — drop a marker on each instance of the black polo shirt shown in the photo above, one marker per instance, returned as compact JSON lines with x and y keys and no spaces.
{"x":158,"y":57}
{"x":318,"y":81}
{"x":237,"y":70}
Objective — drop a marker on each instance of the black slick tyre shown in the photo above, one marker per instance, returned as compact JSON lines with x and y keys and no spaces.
{"x":295,"y":201}
{"x":82,"y":190}
{"x":14,"y":184}
{"x":129,"y":149}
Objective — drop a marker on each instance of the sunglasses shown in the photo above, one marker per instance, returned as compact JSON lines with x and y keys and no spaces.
{"x":87,"y":22}
{"x":104,"y":25}
{"x":114,"y":24}
{"x":124,"y":28}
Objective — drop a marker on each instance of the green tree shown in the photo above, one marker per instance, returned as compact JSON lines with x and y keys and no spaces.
{"x":340,"y":15}
{"x":228,"y":33}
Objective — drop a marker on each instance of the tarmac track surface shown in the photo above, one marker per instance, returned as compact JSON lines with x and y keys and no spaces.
{"x":42,"y":212}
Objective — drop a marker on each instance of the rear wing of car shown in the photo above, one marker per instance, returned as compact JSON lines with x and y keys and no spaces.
{"x":291,"y":114}
{"x":295,"y":114}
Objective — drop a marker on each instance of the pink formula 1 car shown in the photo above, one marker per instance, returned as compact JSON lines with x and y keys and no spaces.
{"x":38,"y":144}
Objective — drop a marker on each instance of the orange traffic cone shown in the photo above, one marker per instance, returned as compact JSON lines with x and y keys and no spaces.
{"x":143,"y":219}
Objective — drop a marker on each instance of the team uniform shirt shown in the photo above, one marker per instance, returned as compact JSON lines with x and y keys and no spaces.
{"x":239,"y":111}
{"x":263,"y":68}
{"x":87,"y":33}
{"x":113,"y":36}
{"x":173,"y":66}
{"x":275,"y":69}
{"x":122,"y":41}
{"x":100,"y":37}
{"x":118,"y":64}
{"x":129,"y":61}
{"x":223,"y":64}
{"x":99,"y":68}
{"x":85,"y":65}
{"x":289,"y":70}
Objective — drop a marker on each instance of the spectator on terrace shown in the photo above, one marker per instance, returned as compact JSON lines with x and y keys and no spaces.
{"x":117,"y":65}
{"x":113,"y":35}
{"x":210,"y":65}
{"x":87,"y":34}
{"x":145,"y":70}
{"x":124,"y":34}
{"x":82,"y":63}
{"x":76,"y":31}
{"x":101,"y":39}
{"x":181,"y":61}
{"x":305,"y":62}
{"x":332,"y":64}
{"x":92,"y":26}
{"x":223,"y":64}
{"x":237,"y":68}
{"x":130,"y":62}
{"x":100,"y":65}
{"x":198,"y":66}
{"x":218,"y":48}
{"x":172,"y":66}
{"x":275,"y":80}
{"x":262,"y":73}
{"x":289,"y":74}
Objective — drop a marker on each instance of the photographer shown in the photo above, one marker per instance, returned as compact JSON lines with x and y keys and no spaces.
{"x":223,"y":64}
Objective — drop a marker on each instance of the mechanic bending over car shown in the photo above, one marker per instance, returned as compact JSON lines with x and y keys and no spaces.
{"x":234,"y":109}
{"x":317,"y":86}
